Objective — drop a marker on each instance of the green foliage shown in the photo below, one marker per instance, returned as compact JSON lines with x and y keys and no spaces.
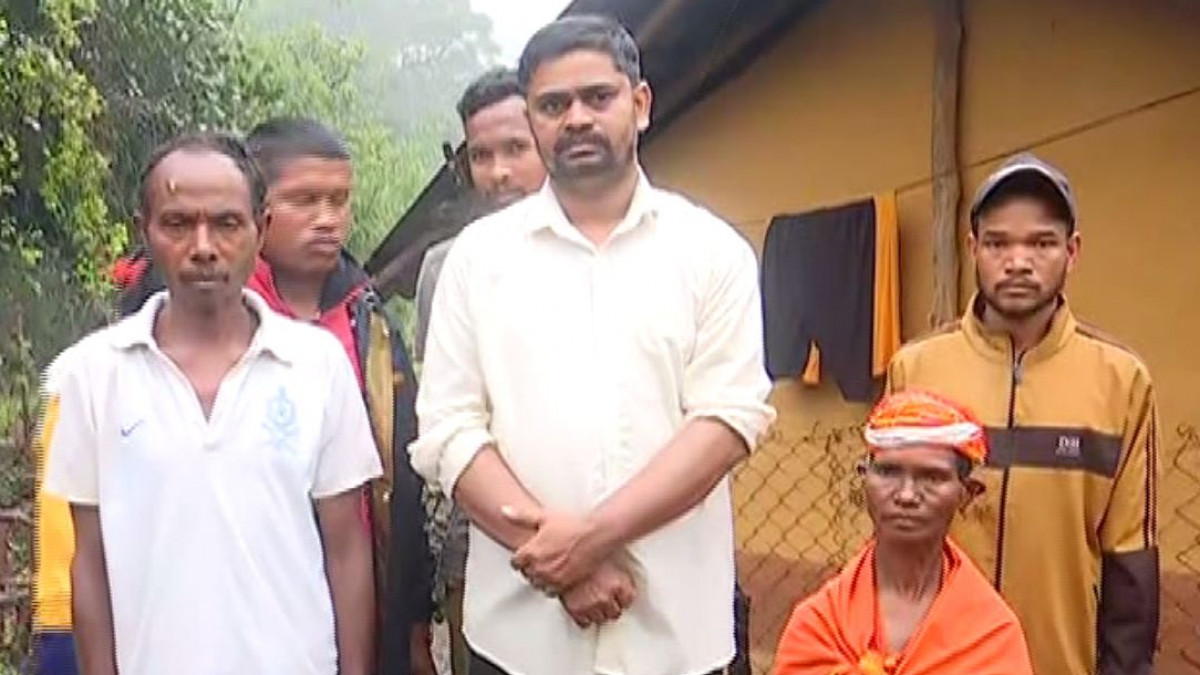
{"x":305,"y":71}
{"x":52,"y":174}
{"x":162,"y":67}
{"x":54,"y":228}
{"x":89,"y":87}
{"x":419,"y":54}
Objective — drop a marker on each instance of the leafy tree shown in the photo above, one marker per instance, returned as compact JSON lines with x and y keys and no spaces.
{"x":89,"y":87}
{"x":55,"y":233}
{"x":161,"y":67}
{"x":422,"y":52}
{"x":52,"y":173}
{"x":305,"y":71}
{"x":164,"y":66}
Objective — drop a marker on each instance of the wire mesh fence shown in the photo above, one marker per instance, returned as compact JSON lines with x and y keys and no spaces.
{"x":15,"y":552}
{"x":1180,"y":540}
{"x":801,"y":517}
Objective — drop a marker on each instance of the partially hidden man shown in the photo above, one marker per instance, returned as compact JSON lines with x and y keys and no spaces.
{"x":503,"y":167}
{"x":1068,"y":528}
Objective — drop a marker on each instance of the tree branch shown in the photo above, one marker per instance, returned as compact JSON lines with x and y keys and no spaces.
{"x":16,"y":515}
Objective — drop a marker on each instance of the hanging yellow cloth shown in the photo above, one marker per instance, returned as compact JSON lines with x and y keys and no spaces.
{"x":885,"y":340}
{"x":812,"y":370}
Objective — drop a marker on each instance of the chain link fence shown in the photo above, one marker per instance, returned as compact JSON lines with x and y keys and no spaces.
{"x":801,"y":517}
{"x":1180,"y":539}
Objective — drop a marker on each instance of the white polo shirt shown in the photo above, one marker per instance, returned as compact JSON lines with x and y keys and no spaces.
{"x":214,"y":556}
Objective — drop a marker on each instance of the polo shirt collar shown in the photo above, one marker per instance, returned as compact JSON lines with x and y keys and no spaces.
{"x":270,"y":337}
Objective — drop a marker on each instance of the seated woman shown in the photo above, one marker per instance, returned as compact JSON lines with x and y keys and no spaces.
{"x":910,"y":603}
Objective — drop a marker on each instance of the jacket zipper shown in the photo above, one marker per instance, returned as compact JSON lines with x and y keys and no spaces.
{"x":1014,"y":382}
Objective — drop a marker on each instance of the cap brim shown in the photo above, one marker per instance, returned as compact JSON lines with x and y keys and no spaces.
{"x":1006,"y":175}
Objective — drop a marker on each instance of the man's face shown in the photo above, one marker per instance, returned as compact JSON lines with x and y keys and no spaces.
{"x":309,"y":203}
{"x":199,"y":226}
{"x":1023,"y":255}
{"x":913,"y":492}
{"x":501,"y":154}
{"x":586,"y":116}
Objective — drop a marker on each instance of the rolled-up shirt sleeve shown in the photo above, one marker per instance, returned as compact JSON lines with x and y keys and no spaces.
{"x":452,"y":405}
{"x":726,"y":378}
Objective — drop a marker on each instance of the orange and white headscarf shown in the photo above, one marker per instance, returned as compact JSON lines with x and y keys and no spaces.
{"x":920,"y":418}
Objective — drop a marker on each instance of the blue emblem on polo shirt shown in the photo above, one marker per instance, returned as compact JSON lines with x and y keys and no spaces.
{"x":280,"y":423}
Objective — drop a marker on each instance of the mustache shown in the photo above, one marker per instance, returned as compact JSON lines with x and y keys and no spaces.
{"x":1018,"y":283}
{"x":567,"y":143}
{"x":203,"y":275}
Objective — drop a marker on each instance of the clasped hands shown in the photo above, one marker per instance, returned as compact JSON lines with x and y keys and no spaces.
{"x":570,"y":559}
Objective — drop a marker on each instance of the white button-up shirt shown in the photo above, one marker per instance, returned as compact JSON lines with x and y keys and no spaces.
{"x":580,"y":363}
{"x":214,"y":557}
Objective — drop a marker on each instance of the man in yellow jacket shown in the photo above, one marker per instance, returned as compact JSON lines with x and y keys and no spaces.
{"x":1067,"y":528}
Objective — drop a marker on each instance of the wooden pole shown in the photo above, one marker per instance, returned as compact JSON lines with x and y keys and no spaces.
{"x":947,"y":183}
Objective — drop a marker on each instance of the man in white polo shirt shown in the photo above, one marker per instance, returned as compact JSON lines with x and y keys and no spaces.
{"x":214,"y":454}
{"x":593,"y":370}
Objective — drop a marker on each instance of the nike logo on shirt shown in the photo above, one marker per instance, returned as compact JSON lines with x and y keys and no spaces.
{"x":125,"y":431}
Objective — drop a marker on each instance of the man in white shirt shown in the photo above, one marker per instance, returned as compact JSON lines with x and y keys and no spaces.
{"x":213,"y":454}
{"x":593,"y":371}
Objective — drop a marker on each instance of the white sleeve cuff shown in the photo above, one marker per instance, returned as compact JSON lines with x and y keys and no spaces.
{"x":751,"y":423}
{"x":345,"y":485}
{"x":459,"y":452}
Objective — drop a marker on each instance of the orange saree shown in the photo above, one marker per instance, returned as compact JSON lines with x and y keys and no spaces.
{"x":969,"y":630}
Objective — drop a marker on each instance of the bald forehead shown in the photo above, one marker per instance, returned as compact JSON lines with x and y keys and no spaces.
{"x":190,"y":176}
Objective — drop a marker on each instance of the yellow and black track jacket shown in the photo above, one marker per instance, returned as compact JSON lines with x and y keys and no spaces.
{"x":1067,"y":529}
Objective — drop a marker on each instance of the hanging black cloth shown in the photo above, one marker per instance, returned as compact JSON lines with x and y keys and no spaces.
{"x":818,"y":287}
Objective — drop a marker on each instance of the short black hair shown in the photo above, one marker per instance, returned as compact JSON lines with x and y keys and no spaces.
{"x":591,"y":32}
{"x":487,"y":90}
{"x":218,"y":142}
{"x":282,"y":139}
{"x":1029,"y":185}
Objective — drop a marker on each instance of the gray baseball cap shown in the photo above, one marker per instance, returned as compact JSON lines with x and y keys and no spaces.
{"x":1025,"y":165}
